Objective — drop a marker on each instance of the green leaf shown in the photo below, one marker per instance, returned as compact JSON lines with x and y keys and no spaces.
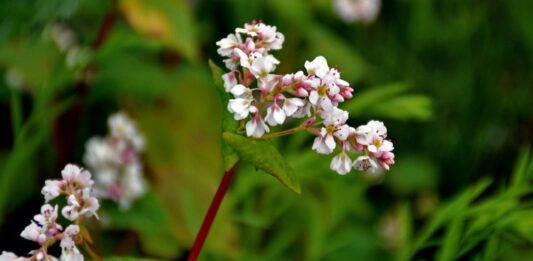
{"x":338,"y":51}
{"x":449,"y":211}
{"x":229,"y":124}
{"x":520,"y":172}
{"x":171,"y":22}
{"x":388,"y":102}
{"x":452,"y":239}
{"x":263,"y":155}
{"x":148,"y":217}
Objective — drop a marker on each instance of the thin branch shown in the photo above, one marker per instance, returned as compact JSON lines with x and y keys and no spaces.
{"x":211,"y":214}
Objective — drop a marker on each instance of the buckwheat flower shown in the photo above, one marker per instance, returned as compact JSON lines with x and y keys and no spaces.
{"x":246,"y":60}
{"x":230,"y":80}
{"x":241,"y":91}
{"x":256,"y":127}
{"x":364,"y":134}
{"x":291,"y":105}
{"x":366,"y":164}
{"x":319,"y":66}
{"x":263,"y":66}
{"x":386,"y":159}
{"x":69,"y":251}
{"x":241,"y":107}
{"x":51,"y":189}
{"x":8,"y":256}
{"x":35,"y":233}
{"x":304,"y":111}
{"x":359,"y":11}
{"x":71,"y":212}
{"x":275,"y":115}
{"x":132,"y":185}
{"x":341,"y":163}
{"x":122,"y":127}
{"x":48,"y":215}
{"x":226,"y":45}
{"x":75,"y":176}
{"x":379,"y":128}
{"x":334,"y":126}
{"x":100,"y":152}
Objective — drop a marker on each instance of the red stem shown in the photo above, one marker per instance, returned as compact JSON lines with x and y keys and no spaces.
{"x":211,"y":214}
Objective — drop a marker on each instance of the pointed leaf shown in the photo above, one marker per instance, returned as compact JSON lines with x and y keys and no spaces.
{"x":263,"y":155}
{"x":228,"y":123}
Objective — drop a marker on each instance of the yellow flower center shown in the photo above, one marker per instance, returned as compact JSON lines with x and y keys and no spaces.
{"x":322,"y":90}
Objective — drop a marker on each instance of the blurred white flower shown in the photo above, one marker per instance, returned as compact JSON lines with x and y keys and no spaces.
{"x":115,"y":162}
{"x":357,"y":11}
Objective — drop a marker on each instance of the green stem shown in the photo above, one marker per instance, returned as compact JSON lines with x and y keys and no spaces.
{"x":283,"y":133}
{"x":16,"y":112}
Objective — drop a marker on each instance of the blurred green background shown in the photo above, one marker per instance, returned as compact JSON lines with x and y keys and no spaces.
{"x":452,"y":80}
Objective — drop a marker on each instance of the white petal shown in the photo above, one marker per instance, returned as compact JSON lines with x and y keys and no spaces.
{"x":279,"y":115}
{"x":239,"y":90}
{"x":251,"y":126}
{"x":313,"y":97}
{"x":330,"y":142}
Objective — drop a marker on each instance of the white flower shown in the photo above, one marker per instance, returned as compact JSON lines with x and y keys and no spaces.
{"x":319,"y":66}
{"x":51,"y":189}
{"x":275,"y":115}
{"x":241,"y":107}
{"x":69,"y":251}
{"x":341,"y":163}
{"x":362,"y":11}
{"x":48,"y":215}
{"x":291,"y":105}
{"x":90,"y":203}
{"x":226,"y":45}
{"x":99,"y":153}
{"x":122,"y":127}
{"x":304,"y":111}
{"x":73,"y":174}
{"x":256,"y":127}
{"x":366,"y":164}
{"x":378,"y":127}
{"x":132,"y":185}
{"x":364,"y":134}
{"x":8,"y":256}
{"x":230,"y":80}
{"x":70,"y":212}
{"x":324,"y":143}
{"x":263,"y":66}
{"x":34,"y":233}
{"x":241,"y":91}
{"x":334,"y":126}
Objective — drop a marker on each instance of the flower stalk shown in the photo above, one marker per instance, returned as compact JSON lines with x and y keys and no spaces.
{"x":211,"y":214}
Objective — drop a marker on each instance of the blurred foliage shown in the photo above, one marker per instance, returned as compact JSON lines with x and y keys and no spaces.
{"x":451,"y":79}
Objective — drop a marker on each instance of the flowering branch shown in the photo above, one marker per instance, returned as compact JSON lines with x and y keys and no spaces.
{"x":211,"y":214}
{"x":264,"y":100}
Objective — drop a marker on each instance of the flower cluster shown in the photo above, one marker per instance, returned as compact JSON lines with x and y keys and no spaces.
{"x":115,"y":162}
{"x":358,"y":11}
{"x":263,"y":99}
{"x":75,"y":186}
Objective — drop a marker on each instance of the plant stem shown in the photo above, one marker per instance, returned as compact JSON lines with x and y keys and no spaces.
{"x":283,"y":133}
{"x":91,"y":252}
{"x":211,"y":213}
